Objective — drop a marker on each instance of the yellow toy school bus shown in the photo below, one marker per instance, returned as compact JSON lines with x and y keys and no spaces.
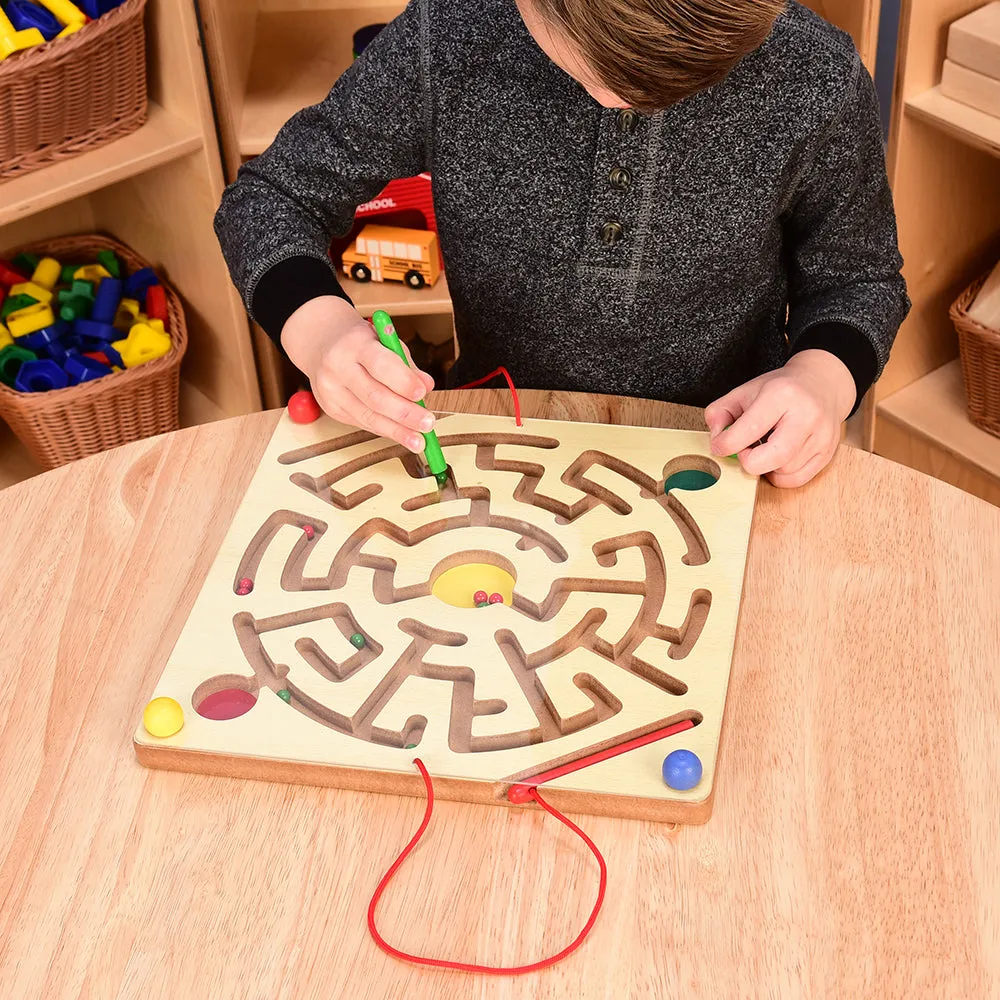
{"x":389,"y":253}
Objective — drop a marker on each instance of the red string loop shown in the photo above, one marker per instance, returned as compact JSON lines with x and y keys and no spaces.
{"x":440,"y":963}
{"x":510,"y":385}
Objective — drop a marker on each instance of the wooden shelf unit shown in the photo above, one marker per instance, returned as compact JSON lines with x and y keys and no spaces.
{"x":944,"y":164}
{"x":155,"y":190}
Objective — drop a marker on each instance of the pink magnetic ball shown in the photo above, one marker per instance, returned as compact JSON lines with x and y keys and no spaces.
{"x":303,"y":408}
{"x":496,"y":598}
{"x":480,"y":597}
{"x":242,"y":591}
{"x":310,"y":531}
{"x":245,"y":584}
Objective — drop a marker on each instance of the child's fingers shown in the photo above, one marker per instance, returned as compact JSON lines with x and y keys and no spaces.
{"x":428,"y":380}
{"x":357,"y":412}
{"x":724,"y":411}
{"x":812,"y":468}
{"x":386,"y":367}
{"x":750,"y":426}
{"x":783,"y":447}
{"x":378,"y":400}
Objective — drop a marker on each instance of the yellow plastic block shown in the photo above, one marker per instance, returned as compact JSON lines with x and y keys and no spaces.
{"x":47,"y":273}
{"x":142,"y":344}
{"x":29,"y":320}
{"x":5,"y":338}
{"x":91,"y":272}
{"x":64,"y":11}
{"x":12,"y":41}
{"x":128,"y":313}
{"x":157,"y":325}
{"x":70,"y":29}
{"x":36,"y":291}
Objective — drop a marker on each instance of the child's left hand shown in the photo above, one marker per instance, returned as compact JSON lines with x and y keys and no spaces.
{"x":801,"y":406}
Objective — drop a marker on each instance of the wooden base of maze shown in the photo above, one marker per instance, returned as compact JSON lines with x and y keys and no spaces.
{"x":621,"y":621}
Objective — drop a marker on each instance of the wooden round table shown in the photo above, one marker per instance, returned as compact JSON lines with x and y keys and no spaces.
{"x":853,"y":851}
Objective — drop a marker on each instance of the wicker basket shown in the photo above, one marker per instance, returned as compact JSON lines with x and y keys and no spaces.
{"x":63,"y":425}
{"x":73,"y":94}
{"x":980,"y":350}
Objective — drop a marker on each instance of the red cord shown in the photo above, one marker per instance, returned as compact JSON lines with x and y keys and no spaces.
{"x":440,"y":963}
{"x":510,"y":385}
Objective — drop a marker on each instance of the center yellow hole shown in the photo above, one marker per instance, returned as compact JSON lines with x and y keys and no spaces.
{"x":457,"y":586}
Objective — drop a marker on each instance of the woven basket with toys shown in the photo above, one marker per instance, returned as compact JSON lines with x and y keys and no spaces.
{"x":976,"y":315}
{"x":91,"y":344}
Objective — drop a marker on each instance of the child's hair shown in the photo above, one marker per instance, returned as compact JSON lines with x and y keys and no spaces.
{"x":653,"y":53}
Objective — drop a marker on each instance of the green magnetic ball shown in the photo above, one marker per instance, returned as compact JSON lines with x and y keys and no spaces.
{"x":411,"y":746}
{"x":483,"y":604}
{"x":285,"y":695}
{"x":358,"y":640}
{"x":110,"y":262}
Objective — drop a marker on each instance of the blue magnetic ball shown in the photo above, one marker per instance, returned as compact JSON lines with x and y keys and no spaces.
{"x":682,"y":770}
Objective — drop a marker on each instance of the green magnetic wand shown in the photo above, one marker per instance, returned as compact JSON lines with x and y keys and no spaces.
{"x":432,"y":447}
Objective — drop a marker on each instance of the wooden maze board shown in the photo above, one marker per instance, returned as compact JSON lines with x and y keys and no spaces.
{"x":620,"y":621}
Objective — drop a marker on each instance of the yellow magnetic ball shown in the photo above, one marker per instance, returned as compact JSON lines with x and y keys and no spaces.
{"x":163,"y":717}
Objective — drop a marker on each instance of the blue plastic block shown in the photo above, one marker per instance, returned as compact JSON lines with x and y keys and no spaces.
{"x":41,"y":339}
{"x":112,"y":355}
{"x":95,"y":330}
{"x":106,"y":299}
{"x":85,"y":369}
{"x":40,"y":376}
{"x":56,"y":352}
{"x":23,"y":15}
{"x":95,"y":8}
{"x":136,"y":284}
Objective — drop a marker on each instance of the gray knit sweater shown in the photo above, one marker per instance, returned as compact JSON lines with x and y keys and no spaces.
{"x":754,"y":219}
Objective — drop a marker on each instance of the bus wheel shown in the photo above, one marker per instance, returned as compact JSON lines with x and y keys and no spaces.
{"x":361,"y":273}
{"x":414,"y":279}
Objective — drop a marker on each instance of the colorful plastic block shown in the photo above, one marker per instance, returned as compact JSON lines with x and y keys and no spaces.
{"x":11,"y":359}
{"x":32,"y":288}
{"x":68,"y":270}
{"x":84,"y":369}
{"x":74,"y":307}
{"x":47,"y":273}
{"x":31,"y":319}
{"x":114,"y":358}
{"x":10,"y":275}
{"x":91,"y":272}
{"x":71,"y":29}
{"x":106,"y":299}
{"x":65,"y":12}
{"x":41,"y":339}
{"x":5,"y":338}
{"x":156,"y":303}
{"x":3,"y":294}
{"x":15,"y":303}
{"x":107,"y":258}
{"x":128,"y":313}
{"x":142,"y":344}
{"x":40,"y":376}
{"x":98,"y":356}
{"x":26,"y":262}
{"x":136,"y":284}
{"x":24,"y":14}
{"x":94,"y":330}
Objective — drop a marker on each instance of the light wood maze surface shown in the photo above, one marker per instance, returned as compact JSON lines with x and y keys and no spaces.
{"x":619,"y":621}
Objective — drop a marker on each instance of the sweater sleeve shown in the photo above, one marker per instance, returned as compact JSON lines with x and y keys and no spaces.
{"x":277,"y":218}
{"x":846,"y":292}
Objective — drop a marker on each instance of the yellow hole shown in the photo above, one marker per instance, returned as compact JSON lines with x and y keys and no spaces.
{"x":456,"y":586}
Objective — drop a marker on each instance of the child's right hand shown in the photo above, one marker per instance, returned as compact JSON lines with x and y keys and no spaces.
{"x":354,"y":378}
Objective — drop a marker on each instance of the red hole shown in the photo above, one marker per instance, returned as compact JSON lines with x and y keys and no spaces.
{"x":230,"y":703}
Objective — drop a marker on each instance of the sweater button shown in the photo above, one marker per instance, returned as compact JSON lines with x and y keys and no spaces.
{"x":620,"y":178}
{"x":611,"y":233}
{"x":627,"y":121}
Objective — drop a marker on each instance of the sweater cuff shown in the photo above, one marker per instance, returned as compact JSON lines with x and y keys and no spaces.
{"x":848,"y":345}
{"x":289,"y":284}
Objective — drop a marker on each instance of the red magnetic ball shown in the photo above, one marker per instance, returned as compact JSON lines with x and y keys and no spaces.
{"x":480,"y":597}
{"x":519,"y":794}
{"x":242,"y":591}
{"x":310,"y":531}
{"x":303,"y":408}
{"x":496,"y":598}
{"x":245,"y":584}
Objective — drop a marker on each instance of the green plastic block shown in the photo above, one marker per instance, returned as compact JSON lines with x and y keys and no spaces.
{"x":11,"y":359}
{"x":26,"y":262}
{"x":110,"y":262}
{"x":16,"y":302}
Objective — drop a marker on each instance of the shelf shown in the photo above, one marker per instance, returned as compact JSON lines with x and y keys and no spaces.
{"x":297,"y":56}
{"x":163,"y":138}
{"x":396,"y":299}
{"x":933,"y":410}
{"x":959,"y":120}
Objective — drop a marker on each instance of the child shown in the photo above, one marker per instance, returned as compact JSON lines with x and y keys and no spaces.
{"x":675,"y":199}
